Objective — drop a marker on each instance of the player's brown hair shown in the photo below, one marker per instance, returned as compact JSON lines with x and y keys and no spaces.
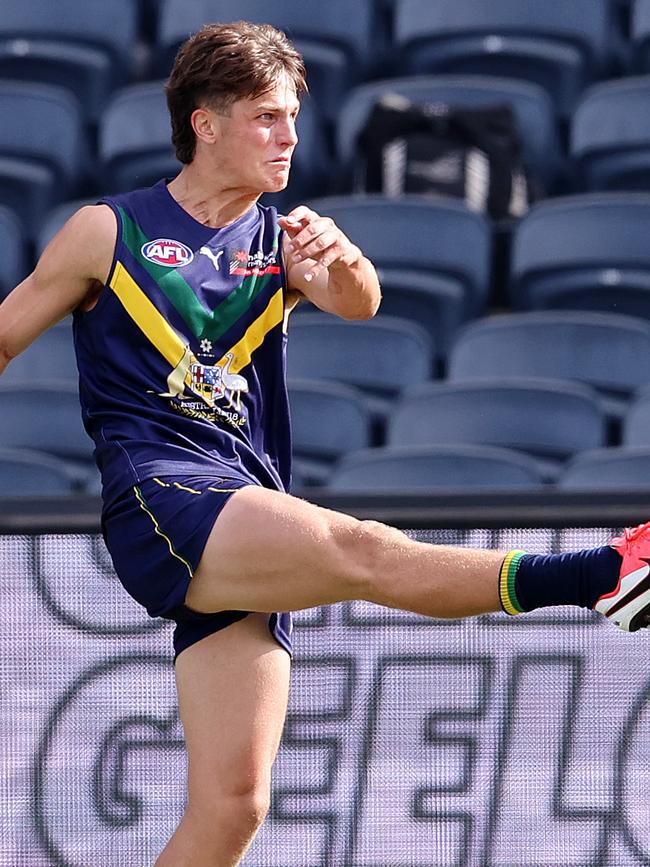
{"x":221,"y":64}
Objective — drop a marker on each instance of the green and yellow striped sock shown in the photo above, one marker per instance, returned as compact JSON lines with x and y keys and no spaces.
{"x":507,"y":594}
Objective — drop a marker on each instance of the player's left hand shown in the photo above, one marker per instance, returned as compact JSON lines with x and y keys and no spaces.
{"x":319,"y":239}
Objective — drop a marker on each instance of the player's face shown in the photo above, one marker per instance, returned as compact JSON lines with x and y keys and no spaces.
{"x":259,"y":139}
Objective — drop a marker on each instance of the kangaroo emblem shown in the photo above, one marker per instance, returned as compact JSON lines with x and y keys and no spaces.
{"x":213,"y":257}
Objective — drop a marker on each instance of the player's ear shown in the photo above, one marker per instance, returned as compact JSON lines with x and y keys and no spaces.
{"x":204,"y":125}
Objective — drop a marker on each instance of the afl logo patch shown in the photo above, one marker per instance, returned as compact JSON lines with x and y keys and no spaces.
{"x":165,"y":251}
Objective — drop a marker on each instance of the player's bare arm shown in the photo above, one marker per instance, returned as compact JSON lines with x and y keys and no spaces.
{"x":69,"y":274}
{"x":326,"y":267}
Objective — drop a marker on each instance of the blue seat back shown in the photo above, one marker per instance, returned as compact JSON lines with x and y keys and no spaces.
{"x":135,"y":146}
{"x":544,"y":418}
{"x":608,"y":469}
{"x":13,"y":251}
{"x":50,"y":356}
{"x":382,"y":355}
{"x":46,"y":417}
{"x":636,"y":424}
{"x":27,"y":473}
{"x":109,"y":25}
{"x":330,"y":24}
{"x":574,"y":247}
{"x":610,"y":135}
{"x":585,"y":23}
{"x":440,"y":236}
{"x":50,"y":128}
{"x":327,"y":419}
{"x":420,"y":468}
{"x":606,"y":351}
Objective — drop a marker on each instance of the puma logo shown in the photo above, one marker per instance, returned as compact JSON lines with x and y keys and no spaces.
{"x":213,"y":257}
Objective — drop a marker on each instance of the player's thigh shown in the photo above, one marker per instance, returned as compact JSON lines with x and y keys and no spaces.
{"x":269,"y":551}
{"x":232,"y":696}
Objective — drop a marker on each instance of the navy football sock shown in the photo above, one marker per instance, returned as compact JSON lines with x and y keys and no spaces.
{"x":530,"y":581}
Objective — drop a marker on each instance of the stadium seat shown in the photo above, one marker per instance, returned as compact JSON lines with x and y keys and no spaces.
{"x":417,"y":468}
{"x":135,"y":147}
{"x":28,"y":473}
{"x":440,"y":237}
{"x":13,"y":251}
{"x":531,"y":104}
{"x":57,"y":218}
{"x":42,"y":157}
{"x":560,"y":45}
{"x":381,"y":356}
{"x":50,"y":356}
{"x":636,"y":424}
{"x":327,"y":420}
{"x":584,"y":252}
{"x":610,"y":136}
{"x":46,"y":417}
{"x":547,"y":419}
{"x":85,"y":47}
{"x":622,"y":469}
{"x":436,"y":304}
{"x":336,"y":45}
{"x":640,"y":35}
{"x":609,"y":352}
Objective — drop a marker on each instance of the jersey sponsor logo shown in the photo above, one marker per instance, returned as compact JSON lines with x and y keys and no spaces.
{"x":167,"y":252}
{"x":246,"y":264}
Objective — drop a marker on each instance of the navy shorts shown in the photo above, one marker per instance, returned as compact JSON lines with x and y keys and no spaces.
{"x":156,"y":533}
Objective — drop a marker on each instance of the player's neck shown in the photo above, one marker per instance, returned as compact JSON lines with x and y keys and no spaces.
{"x":201,"y":195}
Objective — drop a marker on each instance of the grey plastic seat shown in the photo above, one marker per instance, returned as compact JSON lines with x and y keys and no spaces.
{"x":636,"y":424}
{"x":45,"y":417}
{"x":29,"y":473}
{"x":13,"y":251}
{"x":381,"y":356}
{"x":547,"y":419}
{"x":50,"y":356}
{"x":421,"y":468}
{"x":85,"y":47}
{"x":439,"y":237}
{"x":640,"y":34}
{"x":135,"y":147}
{"x":42,"y":157}
{"x":336,"y":42}
{"x":609,"y":352}
{"x":584,"y":252}
{"x":624,"y":469}
{"x":531,"y":104}
{"x":610,"y":135}
{"x":56,"y":218}
{"x":434,"y":303}
{"x":561,"y":46}
{"x":327,"y":420}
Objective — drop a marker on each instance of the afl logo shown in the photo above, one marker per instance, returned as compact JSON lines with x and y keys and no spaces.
{"x":164,"y":251}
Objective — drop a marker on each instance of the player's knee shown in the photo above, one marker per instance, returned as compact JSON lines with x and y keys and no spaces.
{"x":365,"y":551}
{"x":237,"y":813}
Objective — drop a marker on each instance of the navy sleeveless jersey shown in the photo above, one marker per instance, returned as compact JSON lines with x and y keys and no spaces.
{"x":182,"y":360}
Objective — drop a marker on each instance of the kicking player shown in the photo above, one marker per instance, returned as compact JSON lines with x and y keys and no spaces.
{"x":180,"y":295}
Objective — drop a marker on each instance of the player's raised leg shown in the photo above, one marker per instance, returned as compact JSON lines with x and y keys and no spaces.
{"x":270,"y":551}
{"x":232,"y":692}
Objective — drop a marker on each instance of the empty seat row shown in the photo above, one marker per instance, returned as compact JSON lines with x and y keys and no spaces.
{"x":435,"y":257}
{"x":385,"y":356}
{"x":558,"y":45}
{"x":462,"y":468}
{"x":548,"y":420}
